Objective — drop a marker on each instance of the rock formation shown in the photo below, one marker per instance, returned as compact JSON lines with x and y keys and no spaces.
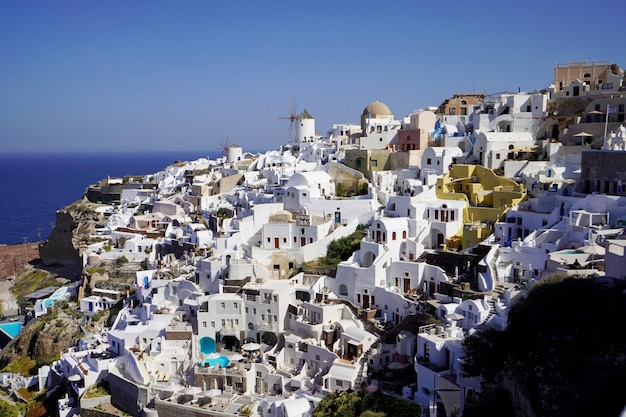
{"x":70,"y":237}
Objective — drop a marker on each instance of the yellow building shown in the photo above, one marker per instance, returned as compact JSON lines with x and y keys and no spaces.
{"x":487,"y":197}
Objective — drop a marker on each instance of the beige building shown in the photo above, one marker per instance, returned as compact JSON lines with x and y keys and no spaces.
{"x":587,"y":76}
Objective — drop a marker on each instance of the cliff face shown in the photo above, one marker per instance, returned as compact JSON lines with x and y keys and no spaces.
{"x":70,"y":237}
{"x":44,"y":338}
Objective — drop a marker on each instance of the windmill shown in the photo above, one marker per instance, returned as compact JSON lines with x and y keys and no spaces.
{"x":224,"y":145}
{"x":293,"y":115}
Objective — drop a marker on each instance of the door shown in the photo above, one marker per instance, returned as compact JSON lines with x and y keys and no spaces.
{"x":302,"y":241}
{"x":366,"y":301}
{"x":276,"y":242}
{"x":407,"y":285}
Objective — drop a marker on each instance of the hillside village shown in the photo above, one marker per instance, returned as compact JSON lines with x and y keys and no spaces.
{"x":463,"y":207}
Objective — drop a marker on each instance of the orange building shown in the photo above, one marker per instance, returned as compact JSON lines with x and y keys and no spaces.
{"x":461,"y":104}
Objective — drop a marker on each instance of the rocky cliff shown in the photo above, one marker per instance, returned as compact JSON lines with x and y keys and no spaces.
{"x":70,"y":237}
{"x":44,"y":338}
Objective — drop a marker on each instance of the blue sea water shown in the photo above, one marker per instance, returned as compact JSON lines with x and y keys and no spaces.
{"x":34,"y":186}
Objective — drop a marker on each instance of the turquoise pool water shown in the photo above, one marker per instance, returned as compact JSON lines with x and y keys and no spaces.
{"x":12,"y":329}
{"x":207,"y":345}
{"x":221,"y":360}
{"x":570,"y":252}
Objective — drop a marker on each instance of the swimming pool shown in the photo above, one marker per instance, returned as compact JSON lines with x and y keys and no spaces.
{"x":207,"y":345}
{"x":570,"y":252}
{"x":221,"y":360}
{"x":13,"y":329}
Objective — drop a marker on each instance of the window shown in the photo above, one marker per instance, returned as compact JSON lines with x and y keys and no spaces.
{"x":246,"y":309}
{"x":343,"y":290}
{"x":284,"y":240}
{"x":250,"y":326}
{"x":204,"y":324}
{"x":374,"y":162}
{"x":223,"y":305}
{"x":213,"y":324}
{"x":497,"y":156}
{"x":393,"y":236}
{"x":235,"y":305}
{"x":269,"y":240}
{"x":428,"y":161}
{"x":452,"y":111}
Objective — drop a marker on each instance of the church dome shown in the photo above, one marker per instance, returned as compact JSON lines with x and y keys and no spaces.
{"x":376,"y":108}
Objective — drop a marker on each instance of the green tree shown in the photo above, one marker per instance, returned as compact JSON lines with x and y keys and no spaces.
{"x":560,"y":354}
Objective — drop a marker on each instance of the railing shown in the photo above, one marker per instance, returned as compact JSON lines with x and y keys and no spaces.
{"x":268,"y":327}
{"x":230,"y":331}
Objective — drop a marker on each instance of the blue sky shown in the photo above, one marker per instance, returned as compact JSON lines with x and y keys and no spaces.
{"x":166,"y":76}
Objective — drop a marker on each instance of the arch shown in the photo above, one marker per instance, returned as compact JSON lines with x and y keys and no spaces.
{"x":343,"y":290}
{"x":368,"y":259}
{"x":269,"y":338}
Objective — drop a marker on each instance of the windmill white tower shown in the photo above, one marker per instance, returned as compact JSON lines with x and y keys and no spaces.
{"x":305,"y":127}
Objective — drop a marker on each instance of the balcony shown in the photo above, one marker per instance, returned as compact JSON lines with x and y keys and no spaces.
{"x":229,"y":331}
{"x":268,"y":327}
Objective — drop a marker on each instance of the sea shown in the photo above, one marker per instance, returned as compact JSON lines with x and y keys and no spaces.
{"x":33,"y":186}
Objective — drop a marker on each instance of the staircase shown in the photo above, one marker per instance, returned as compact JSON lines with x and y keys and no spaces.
{"x":495,"y":296}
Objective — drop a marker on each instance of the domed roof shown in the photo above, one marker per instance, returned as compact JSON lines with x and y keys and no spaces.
{"x":376,"y":108}
{"x":281,"y":216}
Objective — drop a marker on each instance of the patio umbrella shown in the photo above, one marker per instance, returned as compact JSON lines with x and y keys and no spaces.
{"x":236,"y":357}
{"x":584,"y":136}
{"x":593,"y":249}
{"x":250,"y":346}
